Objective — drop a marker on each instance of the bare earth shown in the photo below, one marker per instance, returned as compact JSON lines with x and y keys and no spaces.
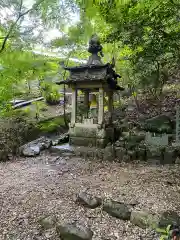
{"x":46,"y":185}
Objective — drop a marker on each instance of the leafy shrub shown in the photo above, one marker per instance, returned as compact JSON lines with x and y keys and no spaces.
{"x":13,"y":132}
{"x":170,"y":233}
{"x":50,"y":93}
{"x":52,"y":97}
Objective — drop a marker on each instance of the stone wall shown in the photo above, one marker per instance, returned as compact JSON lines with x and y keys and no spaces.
{"x":131,"y":143}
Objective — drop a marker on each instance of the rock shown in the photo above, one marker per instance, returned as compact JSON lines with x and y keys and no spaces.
{"x":132,"y":154}
{"x":117,"y":133}
{"x":177,"y":160}
{"x":117,"y":209}
{"x":125,"y":135}
{"x":44,"y":143}
{"x":99,"y":154}
{"x":169,"y":156}
{"x":168,"y":218}
{"x":48,"y":222}
{"x":33,"y":148}
{"x":64,"y":138}
{"x":159,"y":124}
{"x":55,"y":142}
{"x":88,"y":200}
{"x":119,"y":143}
{"x":155,"y":154}
{"x":120,"y":152}
{"x":74,"y":231}
{"x":144,"y":219}
{"x":133,"y":141}
{"x":141,"y":154}
{"x":126,"y":158}
{"x":133,"y":202}
{"x":124,"y":126}
{"x":109,"y":153}
{"x":31,"y":151}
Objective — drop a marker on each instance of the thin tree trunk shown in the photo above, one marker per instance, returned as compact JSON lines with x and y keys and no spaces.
{"x":64,"y":97}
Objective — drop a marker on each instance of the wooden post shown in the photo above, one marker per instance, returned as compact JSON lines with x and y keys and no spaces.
{"x":101,"y":106}
{"x":110,"y":105}
{"x":74,"y":106}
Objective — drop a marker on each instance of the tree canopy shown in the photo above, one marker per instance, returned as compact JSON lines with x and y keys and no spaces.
{"x":142,"y":36}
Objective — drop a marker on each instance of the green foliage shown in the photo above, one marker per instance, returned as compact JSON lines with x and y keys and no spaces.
{"x":20,"y":30}
{"x":13,"y":132}
{"x":143,"y":36}
{"x":51,"y":93}
{"x":51,"y":125}
{"x":165,"y":233}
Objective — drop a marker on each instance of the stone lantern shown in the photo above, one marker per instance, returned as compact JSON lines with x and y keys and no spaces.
{"x":100,"y":79}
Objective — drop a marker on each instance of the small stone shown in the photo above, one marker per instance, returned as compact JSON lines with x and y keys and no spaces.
{"x":125,"y":135}
{"x":169,"y":156}
{"x":88,"y":200}
{"x":117,"y":209}
{"x":169,"y":218}
{"x":132,"y":154}
{"x":55,"y":142}
{"x":64,"y":138}
{"x":141,"y":154}
{"x":48,"y":222}
{"x":109,"y":153}
{"x":177,"y":160}
{"x":120,"y":152}
{"x":133,"y":202}
{"x":44,"y":143}
{"x":119,"y":143}
{"x":31,"y":151}
{"x":144,"y":219}
{"x":74,"y":231}
{"x":155,"y":153}
{"x":126,"y":158}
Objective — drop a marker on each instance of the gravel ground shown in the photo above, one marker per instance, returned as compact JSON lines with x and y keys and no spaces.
{"x":46,"y":185}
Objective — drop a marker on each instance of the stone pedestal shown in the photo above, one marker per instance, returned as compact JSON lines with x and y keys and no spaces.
{"x":91,"y":135}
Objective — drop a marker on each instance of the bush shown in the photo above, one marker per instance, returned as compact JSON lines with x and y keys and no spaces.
{"x":53,"y":97}
{"x":50,"y":93}
{"x":13,"y":132}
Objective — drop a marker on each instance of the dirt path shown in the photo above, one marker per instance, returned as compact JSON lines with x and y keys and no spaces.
{"x":32,"y":188}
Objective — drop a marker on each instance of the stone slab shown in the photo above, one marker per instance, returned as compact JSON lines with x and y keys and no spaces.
{"x":64,"y":148}
{"x":86,"y":152}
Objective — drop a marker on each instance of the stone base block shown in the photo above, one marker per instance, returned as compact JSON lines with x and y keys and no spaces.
{"x":88,"y":142}
{"x":90,"y":136}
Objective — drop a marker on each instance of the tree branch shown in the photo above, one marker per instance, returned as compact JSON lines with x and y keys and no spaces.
{"x":15,"y":23}
{"x":5,"y":37}
{"x":174,"y":3}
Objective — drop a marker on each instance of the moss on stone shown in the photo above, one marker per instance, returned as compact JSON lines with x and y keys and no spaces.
{"x":52,"y":125}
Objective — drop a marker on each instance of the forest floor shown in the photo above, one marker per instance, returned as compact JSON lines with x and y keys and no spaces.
{"x":46,"y":185}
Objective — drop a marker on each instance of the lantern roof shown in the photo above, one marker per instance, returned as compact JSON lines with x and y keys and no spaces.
{"x":94,"y":70}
